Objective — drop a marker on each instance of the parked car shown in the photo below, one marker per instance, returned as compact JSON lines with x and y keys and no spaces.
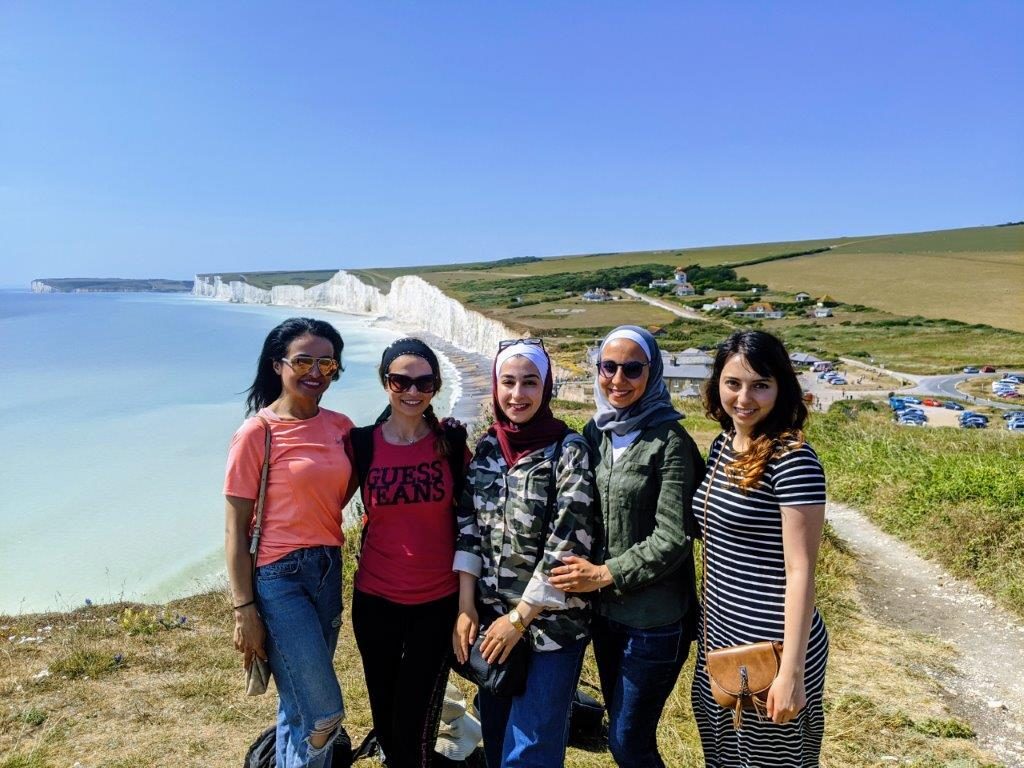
{"x":952,"y":405}
{"x":838,"y":381}
{"x":909,"y":409}
{"x":973,"y":415}
{"x":988,"y":369}
{"x":932,"y":402}
{"x":970,"y":369}
{"x":1016,"y":426}
{"x":1016,"y":378}
{"x":1007,"y":415}
{"x":919,"y":417}
{"x":911,"y":399}
{"x":973,"y":424}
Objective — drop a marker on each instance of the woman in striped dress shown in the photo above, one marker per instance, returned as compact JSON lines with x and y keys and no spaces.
{"x":760,"y":511}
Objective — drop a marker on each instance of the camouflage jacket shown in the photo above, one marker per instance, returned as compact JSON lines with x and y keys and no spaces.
{"x":500,"y":521}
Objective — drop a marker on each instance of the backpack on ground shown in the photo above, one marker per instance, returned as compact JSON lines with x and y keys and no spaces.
{"x":263,"y":752}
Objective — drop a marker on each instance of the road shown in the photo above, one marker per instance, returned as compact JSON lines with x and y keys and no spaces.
{"x":688,"y":314}
{"x":945,"y":386}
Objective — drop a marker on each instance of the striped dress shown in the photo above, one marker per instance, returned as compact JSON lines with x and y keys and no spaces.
{"x":745,"y":603}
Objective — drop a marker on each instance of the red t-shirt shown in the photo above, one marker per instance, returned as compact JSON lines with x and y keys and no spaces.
{"x":410,"y":543}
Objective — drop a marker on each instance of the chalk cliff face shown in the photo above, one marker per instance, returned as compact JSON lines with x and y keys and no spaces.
{"x":38,"y":286}
{"x":412,"y":302}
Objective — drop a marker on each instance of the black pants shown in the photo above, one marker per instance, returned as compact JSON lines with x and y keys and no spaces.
{"x":407,"y":652}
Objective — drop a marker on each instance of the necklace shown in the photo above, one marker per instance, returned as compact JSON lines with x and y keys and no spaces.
{"x":395,"y":437}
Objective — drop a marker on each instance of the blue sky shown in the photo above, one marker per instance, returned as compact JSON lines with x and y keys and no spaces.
{"x":162,"y":139}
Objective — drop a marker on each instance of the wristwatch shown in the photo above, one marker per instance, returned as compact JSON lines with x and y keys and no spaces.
{"x":516,"y":621}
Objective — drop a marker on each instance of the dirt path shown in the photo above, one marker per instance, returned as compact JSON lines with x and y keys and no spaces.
{"x":984,"y":687}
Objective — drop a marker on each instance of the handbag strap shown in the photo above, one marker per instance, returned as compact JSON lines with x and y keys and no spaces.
{"x":704,"y":546}
{"x":257,"y":527}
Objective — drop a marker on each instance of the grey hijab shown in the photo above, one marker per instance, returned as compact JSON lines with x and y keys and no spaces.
{"x":654,"y":406}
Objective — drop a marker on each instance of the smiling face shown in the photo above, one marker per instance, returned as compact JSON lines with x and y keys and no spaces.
{"x":312,"y":384}
{"x":620,"y":390}
{"x":520,"y":390}
{"x":412,"y":402}
{"x":747,"y":396}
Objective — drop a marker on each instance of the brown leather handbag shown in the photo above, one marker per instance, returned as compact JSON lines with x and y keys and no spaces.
{"x":740,"y":675}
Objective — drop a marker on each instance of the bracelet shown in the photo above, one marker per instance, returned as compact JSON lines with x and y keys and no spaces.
{"x":243,"y":605}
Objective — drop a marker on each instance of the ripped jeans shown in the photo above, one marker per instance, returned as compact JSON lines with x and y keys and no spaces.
{"x":299,"y":600}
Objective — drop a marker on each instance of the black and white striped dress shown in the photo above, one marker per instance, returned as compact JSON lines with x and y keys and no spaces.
{"x":745,"y":603}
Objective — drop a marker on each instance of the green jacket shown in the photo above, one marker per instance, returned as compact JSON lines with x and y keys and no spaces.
{"x":647,"y":525}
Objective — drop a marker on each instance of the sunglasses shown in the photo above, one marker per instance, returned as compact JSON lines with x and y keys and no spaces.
{"x":303,"y":364}
{"x":512,"y":342}
{"x":398,"y":382}
{"x":634,"y":369}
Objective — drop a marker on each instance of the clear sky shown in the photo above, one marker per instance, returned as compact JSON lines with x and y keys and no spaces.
{"x":161,"y":139}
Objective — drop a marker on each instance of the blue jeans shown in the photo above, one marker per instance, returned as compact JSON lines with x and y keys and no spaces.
{"x":638,"y":669}
{"x":532,"y":729}
{"x":299,"y":599}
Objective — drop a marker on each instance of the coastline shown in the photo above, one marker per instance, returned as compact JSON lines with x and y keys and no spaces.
{"x":471,"y":390}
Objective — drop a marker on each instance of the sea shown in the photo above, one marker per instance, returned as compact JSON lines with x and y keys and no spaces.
{"x":116,"y":413}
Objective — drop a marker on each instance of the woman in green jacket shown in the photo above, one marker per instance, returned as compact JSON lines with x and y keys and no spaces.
{"x":647,"y":470}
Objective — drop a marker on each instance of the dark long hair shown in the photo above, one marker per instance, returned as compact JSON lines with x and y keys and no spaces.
{"x":411,"y":346}
{"x":266,"y":387}
{"x":782,"y":429}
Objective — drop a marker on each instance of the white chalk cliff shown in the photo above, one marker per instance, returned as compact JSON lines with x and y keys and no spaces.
{"x":411,"y":302}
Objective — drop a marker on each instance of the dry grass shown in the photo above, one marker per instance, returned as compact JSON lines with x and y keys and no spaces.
{"x":174,"y":698}
{"x":982,"y":286}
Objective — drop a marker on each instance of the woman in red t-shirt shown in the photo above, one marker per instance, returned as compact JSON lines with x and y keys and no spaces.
{"x":406,"y":593}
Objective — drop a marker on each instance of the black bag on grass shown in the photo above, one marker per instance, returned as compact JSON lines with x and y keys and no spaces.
{"x":263,"y":752}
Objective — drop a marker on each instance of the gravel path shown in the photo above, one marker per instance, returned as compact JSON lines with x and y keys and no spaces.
{"x":904,"y":590}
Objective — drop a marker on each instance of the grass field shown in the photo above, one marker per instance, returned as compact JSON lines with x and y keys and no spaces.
{"x":107,"y":690}
{"x":956,"y":495}
{"x":972,"y":275}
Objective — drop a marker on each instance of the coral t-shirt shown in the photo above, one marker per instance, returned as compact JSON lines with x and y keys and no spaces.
{"x":410,"y":543}
{"x":308,"y":481}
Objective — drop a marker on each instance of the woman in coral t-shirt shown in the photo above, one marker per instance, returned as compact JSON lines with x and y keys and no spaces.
{"x":406,"y":594}
{"x":290,"y":614}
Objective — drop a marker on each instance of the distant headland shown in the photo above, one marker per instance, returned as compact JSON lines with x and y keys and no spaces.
{"x":109,"y":285}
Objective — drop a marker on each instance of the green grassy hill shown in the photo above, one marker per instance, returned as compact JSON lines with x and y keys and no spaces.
{"x":919,"y":302}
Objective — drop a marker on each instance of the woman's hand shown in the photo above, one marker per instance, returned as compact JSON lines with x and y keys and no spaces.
{"x":450,"y":422}
{"x":250,"y":635}
{"x":464,"y":635}
{"x":499,"y":640}
{"x":577,"y":574}
{"x":786,"y":697}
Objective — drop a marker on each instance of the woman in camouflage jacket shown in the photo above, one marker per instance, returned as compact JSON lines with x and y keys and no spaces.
{"x":505,"y":553}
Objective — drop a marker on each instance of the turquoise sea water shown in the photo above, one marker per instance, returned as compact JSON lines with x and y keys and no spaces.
{"x":117,"y":410}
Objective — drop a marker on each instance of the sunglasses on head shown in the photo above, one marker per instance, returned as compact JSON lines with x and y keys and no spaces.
{"x":303,"y":364}
{"x":634,"y":369}
{"x":399,"y":382}
{"x":512,"y":342}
